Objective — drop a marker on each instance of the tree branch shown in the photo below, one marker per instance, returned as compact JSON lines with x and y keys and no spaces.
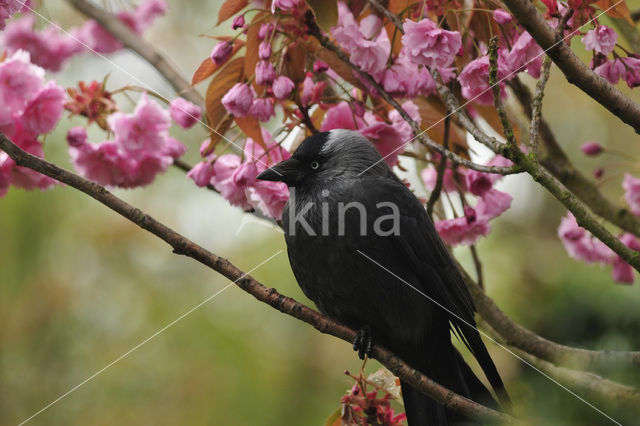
{"x":131,"y":40}
{"x":541,"y":175}
{"x":554,"y":159}
{"x":574,"y":69}
{"x":519,"y":337}
{"x":270,"y":296}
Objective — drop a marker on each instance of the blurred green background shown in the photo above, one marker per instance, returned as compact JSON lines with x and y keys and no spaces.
{"x":80,"y":286}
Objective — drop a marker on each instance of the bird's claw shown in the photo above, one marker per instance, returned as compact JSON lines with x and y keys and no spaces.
{"x":363,"y":342}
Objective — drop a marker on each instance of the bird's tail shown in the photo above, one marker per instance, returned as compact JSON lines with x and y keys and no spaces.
{"x":444,"y":364}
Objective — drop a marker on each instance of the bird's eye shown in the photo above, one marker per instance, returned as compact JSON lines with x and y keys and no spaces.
{"x":315,"y":165}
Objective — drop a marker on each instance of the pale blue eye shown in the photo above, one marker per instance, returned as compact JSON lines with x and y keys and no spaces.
{"x":315,"y":165}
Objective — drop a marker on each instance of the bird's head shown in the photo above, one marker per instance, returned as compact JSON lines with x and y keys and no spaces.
{"x":327,"y":155}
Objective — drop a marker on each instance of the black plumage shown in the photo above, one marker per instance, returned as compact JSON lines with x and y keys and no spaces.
{"x":379,"y":268}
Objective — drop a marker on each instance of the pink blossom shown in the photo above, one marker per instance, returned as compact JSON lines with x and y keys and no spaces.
{"x":269,"y":197}
{"x":264,"y":50}
{"x":222,"y":179}
{"x":102,"y":163}
{"x":320,"y":66}
{"x":311,"y":92}
{"x":262,"y":109}
{"x":99,"y":40}
{"x":601,"y":39}
{"x":631,"y":186}
{"x":492,"y":204}
{"x":282,"y":87}
{"x":265,"y":31}
{"x":402,"y":127}
{"x":202,"y":173}
{"x":621,"y":271}
{"x":96,"y":38}
{"x":77,"y":136}
{"x":367,"y":43}
{"x":341,"y":116}
{"x":450,"y":182}
{"x":525,"y":53}
{"x":631,"y":75}
{"x":146,"y":129}
{"x":474,"y":80}
{"x":184,"y":113}
{"x":284,"y":5}
{"x":7,"y":9}
{"x":265,"y":73}
{"x":143,"y":16}
{"x":221,"y":52}
{"x":406,"y":79}
{"x":238,"y":22}
{"x":580,"y":244}
{"x":479,"y":183}
{"x":426,"y":44}
{"x":19,"y":81}
{"x":238,"y":99}
{"x":465,"y":230}
{"x":48,"y":48}
{"x":501,"y":16}
{"x":611,"y":70}
{"x":591,"y":148}
{"x":386,"y":139}
{"x":44,"y":110}
{"x":475,"y":223}
{"x":22,"y":177}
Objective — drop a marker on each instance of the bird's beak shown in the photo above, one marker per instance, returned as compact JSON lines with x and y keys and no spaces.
{"x":286,"y":171}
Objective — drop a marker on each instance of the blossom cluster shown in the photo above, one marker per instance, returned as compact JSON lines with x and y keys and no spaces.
{"x":51,"y":48}
{"x":140,"y":149}
{"x":362,"y":407}
{"x":235,"y":176}
{"x":29,"y":107}
{"x":491,"y":203}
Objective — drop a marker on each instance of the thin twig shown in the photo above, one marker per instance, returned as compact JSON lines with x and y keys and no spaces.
{"x":496,"y":88}
{"x":441,"y":169}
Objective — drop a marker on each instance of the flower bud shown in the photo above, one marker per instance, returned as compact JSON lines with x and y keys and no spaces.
{"x":592,"y":148}
{"x":264,"y":51}
{"x":238,"y":22}
{"x":282,"y":87}
{"x":77,"y":136}
{"x":221,"y":52}
{"x":265,"y":73}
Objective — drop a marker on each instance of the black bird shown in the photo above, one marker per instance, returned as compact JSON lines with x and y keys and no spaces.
{"x":363,"y":248}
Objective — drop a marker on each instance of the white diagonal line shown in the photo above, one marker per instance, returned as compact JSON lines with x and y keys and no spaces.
{"x":141,"y":82}
{"x":147,"y":339}
{"x":492,"y":339}
{"x":491,"y":86}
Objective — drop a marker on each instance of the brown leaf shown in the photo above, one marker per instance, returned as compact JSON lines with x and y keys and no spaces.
{"x":326,"y":13}
{"x":396,"y":7}
{"x":230,"y":8}
{"x":230,"y":75}
{"x":208,"y":67}
{"x":616,"y":9}
{"x":294,"y":61}
{"x":432,"y":113}
{"x":251,"y":127}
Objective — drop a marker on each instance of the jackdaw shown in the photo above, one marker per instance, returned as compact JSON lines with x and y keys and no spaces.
{"x":363,"y":248}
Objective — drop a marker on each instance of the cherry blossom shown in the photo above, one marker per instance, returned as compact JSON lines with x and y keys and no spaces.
{"x":426,"y":44}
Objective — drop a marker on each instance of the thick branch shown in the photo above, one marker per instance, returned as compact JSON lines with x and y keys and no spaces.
{"x":574,"y":69}
{"x":270,"y":296}
{"x":134,"y":42}
{"x":519,"y":337}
